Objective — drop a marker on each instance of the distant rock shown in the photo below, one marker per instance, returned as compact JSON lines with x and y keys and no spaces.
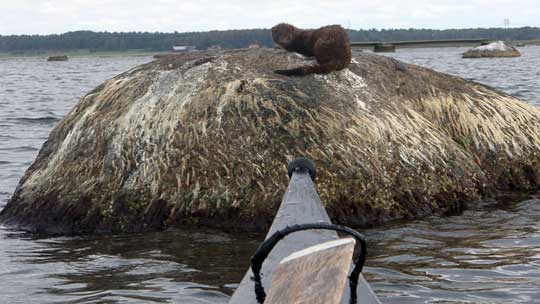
{"x":203,"y":138}
{"x":162,"y":55}
{"x":58,"y":58}
{"x":494,"y":49}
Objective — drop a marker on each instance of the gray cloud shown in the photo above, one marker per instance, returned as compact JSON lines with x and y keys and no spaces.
{"x":57,"y":16}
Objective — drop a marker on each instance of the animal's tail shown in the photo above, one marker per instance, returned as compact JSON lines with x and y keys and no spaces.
{"x":312,"y":69}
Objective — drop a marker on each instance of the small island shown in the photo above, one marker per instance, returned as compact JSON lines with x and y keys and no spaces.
{"x":493,"y":50}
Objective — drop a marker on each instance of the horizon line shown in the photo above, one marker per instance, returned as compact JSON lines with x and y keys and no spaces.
{"x":252,"y":29}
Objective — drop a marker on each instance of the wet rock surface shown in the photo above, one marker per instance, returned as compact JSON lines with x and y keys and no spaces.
{"x":204,"y":138}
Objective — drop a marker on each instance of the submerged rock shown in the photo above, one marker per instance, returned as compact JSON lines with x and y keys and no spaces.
{"x":204,"y":138}
{"x":494,"y":49}
{"x":58,"y":58}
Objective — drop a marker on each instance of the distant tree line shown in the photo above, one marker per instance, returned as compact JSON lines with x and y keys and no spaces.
{"x":113,"y":41}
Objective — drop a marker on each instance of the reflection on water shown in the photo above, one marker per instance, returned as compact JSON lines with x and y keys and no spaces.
{"x":489,"y":255}
{"x":177,"y":266}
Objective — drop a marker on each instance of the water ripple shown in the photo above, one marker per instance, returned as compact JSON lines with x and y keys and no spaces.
{"x":158,"y":267}
{"x":35,"y":120}
{"x":488,"y":256}
{"x":20,"y":149}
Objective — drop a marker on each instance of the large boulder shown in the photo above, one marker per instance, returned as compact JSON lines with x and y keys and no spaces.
{"x":493,"y":49}
{"x":204,"y":138}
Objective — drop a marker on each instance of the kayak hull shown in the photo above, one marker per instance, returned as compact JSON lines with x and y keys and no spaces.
{"x":301,"y":205}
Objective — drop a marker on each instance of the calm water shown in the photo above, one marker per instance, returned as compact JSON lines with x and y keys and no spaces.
{"x":489,"y":255}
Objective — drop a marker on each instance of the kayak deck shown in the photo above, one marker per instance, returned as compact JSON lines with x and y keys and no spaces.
{"x":301,"y":204}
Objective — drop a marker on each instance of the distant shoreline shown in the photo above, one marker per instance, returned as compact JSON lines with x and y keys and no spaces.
{"x":80,"y":53}
{"x":113,"y":43}
{"x":90,"y":53}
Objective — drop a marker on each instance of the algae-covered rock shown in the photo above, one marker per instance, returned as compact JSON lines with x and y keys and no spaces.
{"x":204,"y":138}
{"x":494,"y":49}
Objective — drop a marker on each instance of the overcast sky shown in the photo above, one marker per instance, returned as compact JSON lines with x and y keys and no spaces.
{"x":59,"y":16}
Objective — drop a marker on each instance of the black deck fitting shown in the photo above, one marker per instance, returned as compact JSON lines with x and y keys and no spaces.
{"x":302,"y":163}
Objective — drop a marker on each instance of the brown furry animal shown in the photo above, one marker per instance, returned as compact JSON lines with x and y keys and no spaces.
{"x":329,"y":45}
